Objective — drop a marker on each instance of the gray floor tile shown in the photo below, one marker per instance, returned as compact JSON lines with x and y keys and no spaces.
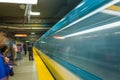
{"x":25,"y":70}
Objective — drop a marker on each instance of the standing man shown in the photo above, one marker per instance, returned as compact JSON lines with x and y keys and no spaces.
{"x":30,"y":51}
{"x":25,"y":48}
{"x":13,"y":49}
{"x":19,"y":51}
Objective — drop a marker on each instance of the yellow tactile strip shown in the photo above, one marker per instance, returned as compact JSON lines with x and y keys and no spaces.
{"x":43,"y":72}
{"x":59,"y":72}
{"x":114,"y":8}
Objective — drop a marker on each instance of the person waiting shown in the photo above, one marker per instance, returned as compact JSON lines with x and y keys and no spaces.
{"x":19,"y":51}
{"x":8,"y":67}
{"x":30,"y":51}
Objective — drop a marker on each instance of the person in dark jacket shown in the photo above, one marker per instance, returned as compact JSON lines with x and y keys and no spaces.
{"x":30,"y":51}
{"x":25,"y":48}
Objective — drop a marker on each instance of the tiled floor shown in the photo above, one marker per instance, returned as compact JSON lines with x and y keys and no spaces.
{"x":25,"y":70}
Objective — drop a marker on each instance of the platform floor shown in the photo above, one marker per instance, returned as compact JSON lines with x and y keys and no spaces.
{"x":25,"y":70}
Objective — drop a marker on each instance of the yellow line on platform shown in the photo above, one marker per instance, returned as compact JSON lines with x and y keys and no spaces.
{"x":114,"y":8}
{"x":59,"y":72}
{"x":43,"y":73}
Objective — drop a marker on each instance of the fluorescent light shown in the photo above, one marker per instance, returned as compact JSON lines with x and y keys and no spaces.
{"x":90,"y":14}
{"x":20,"y":35}
{"x":27,"y":41}
{"x":19,"y":1}
{"x":32,"y":33}
{"x":34,"y":13}
{"x":99,"y":28}
{"x":111,"y":12}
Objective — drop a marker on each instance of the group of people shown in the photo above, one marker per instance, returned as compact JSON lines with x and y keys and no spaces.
{"x":6,"y":69}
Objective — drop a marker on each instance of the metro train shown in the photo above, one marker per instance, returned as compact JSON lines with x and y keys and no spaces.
{"x":86,"y":42}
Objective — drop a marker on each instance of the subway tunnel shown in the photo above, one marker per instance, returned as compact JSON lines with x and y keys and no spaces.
{"x":71,"y":40}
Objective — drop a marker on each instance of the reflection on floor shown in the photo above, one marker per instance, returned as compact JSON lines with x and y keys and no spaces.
{"x":25,"y":70}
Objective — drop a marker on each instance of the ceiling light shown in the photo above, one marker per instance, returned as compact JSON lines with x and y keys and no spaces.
{"x":34,"y":13}
{"x":22,"y":6}
{"x":27,"y":41}
{"x":19,"y":1}
{"x":32,"y":33}
{"x":20,"y":35}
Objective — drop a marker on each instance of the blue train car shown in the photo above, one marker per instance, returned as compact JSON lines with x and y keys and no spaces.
{"x":86,"y":41}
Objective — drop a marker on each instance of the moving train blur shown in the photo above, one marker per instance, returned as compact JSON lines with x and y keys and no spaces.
{"x":84,"y":44}
{"x":86,"y":41}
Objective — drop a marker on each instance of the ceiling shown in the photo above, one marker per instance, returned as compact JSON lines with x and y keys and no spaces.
{"x":14,"y":18}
